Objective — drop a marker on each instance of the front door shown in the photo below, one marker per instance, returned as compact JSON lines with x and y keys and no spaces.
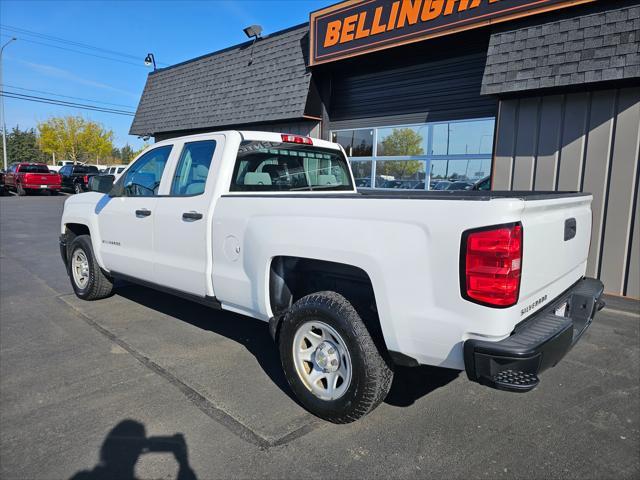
{"x":126,"y":216}
{"x":181,"y":227}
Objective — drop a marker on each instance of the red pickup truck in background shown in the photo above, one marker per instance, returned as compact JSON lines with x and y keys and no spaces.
{"x":30,"y":177}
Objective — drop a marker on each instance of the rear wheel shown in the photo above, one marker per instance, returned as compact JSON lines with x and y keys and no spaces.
{"x":20,"y":190}
{"x":331,"y":362}
{"x":77,"y":188}
{"x":87,"y":279}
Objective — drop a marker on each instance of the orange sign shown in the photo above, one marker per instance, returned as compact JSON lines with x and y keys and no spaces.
{"x":355,"y":27}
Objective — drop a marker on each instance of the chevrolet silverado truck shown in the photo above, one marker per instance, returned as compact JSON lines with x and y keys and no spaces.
{"x":351,"y":283}
{"x":31,"y":177}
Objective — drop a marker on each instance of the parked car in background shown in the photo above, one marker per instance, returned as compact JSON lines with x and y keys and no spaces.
{"x":31,"y":177}
{"x":76,"y":177}
{"x":3,"y":188}
{"x":363,"y":182}
{"x":484,"y":184}
{"x":440,"y":185}
{"x":406,"y":184}
{"x":59,"y":164}
{"x":115,"y":170}
{"x":461,"y":185}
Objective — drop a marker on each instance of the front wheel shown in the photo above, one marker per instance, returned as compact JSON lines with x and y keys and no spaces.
{"x":87,"y":279}
{"x":77,"y":188}
{"x":330,"y":360}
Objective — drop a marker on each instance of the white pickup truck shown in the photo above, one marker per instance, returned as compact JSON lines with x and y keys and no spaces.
{"x":351,"y":283}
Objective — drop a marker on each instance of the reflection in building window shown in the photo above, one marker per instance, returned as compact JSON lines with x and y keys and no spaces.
{"x":357,"y":143}
{"x":402,"y":141}
{"x":437,"y":156}
{"x":406,"y":174}
{"x":362,"y":173}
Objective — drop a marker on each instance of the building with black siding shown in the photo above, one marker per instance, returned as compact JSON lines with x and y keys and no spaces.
{"x":532,"y":95}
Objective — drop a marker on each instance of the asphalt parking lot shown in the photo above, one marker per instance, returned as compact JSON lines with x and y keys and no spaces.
{"x":95,"y":389}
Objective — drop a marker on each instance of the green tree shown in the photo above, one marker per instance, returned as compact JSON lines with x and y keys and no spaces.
{"x":22,"y":146}
{"x":74,"y":138}
{"x":401,"y":142}
{"x":116,"y":155}
{"x":139,"y":151}
{"x":127,"y":154}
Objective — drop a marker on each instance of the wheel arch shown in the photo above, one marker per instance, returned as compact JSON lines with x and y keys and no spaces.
{"x":292,"y":277}
{"x":73,"y":230}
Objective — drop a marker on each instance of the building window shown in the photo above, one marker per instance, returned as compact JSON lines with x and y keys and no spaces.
{"x":357,"y":143}
{"x":430,"y":156}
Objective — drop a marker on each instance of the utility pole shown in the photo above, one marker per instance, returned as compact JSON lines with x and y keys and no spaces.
{"x":4,"y":124}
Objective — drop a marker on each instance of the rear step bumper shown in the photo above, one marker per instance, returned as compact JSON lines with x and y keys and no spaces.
{"x":513,"y":364}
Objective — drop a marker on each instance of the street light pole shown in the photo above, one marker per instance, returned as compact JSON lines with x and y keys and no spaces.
{"x":4,"y":124}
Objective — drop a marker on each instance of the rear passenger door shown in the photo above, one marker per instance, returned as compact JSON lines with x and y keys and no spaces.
{"x":182,"y":227}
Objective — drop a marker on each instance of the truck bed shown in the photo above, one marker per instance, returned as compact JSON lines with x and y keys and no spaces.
{"x":525,"y":195}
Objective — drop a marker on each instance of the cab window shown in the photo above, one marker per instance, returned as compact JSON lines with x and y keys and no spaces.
{"x":275,"y":166}
{"x":143,"y":178}
{"x":193,"y":168}
{"x":33,"y":169}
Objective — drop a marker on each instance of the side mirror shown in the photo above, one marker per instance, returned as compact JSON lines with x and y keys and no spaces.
{"x":101,"y":183}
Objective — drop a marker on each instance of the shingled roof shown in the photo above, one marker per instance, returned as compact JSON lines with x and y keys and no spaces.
{"x":583,"y":49}
{"x":224,"y":88}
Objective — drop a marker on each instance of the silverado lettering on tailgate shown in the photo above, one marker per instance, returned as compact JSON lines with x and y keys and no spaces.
{"x":533,"y":305}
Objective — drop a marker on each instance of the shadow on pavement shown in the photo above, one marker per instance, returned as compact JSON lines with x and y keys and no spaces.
{"x":409,"y":383}
{"x":412,"y":383}
{"x":251,"y":333}
{"x":125,"y":443}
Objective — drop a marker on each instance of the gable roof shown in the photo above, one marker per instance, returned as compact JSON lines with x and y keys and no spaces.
{"x":224,"y":88}
{"x":582,"y":49}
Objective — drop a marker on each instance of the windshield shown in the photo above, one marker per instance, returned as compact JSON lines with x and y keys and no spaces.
{"x":34,"y":169}
{"x":276,"y":166}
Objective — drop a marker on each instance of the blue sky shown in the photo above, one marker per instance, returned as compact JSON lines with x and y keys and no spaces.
{"x":173,"y":31}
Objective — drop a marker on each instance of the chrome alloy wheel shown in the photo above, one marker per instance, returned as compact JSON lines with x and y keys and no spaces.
{"x":80,"y":268}
{"x":322,"y":360}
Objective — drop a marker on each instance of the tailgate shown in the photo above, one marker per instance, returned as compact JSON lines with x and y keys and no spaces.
{"x":557,"y":234}
{"x":42,"y":178}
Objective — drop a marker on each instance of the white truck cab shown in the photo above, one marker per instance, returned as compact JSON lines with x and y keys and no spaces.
{"x":352,"y":283}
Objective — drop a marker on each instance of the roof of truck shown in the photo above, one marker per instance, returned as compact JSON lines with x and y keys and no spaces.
{"x":277,"y":137}
{"x":247,"y":135}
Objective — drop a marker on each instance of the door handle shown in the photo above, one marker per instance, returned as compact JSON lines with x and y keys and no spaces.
{"x":143,"y":213}
{"x":191,"y":216}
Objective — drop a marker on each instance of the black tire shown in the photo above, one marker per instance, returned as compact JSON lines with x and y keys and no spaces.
{"x":99,"y":285}
{"x":77,"y":188}
{"x":371,"y":376}
{"x":20,"y":191}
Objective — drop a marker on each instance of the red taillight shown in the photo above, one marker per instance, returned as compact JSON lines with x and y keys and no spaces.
{"x":296,"y":139}
{"x":492,"y":265}
{"x":86,"y":179}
